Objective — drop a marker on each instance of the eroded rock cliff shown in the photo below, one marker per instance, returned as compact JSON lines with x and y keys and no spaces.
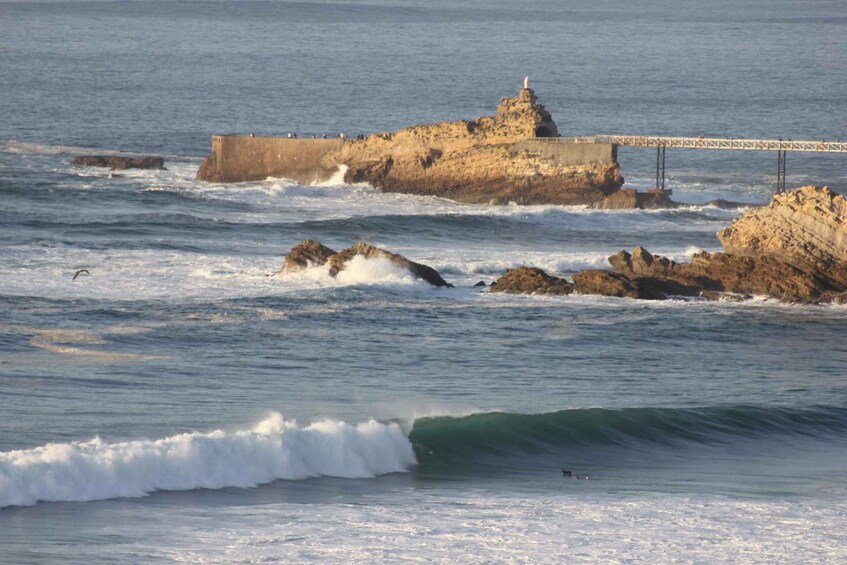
{"x":806,"y":227}
{"x":487,"y":160}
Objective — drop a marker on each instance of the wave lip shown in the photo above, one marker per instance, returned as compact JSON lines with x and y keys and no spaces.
{"x":503,"y":433}
{"x":274,"y":449}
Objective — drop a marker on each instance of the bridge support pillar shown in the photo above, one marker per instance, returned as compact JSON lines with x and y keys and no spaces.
{"x":660,"y":167}
{"x":780,"y":170}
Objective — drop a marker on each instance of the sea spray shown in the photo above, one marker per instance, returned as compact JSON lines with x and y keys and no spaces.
{"x":274,"y":449}
{"x":358,"y":271}
{"x":337,"y":178}
{"x":370,"y":270}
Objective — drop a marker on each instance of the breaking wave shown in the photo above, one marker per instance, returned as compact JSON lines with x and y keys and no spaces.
{"x":277,"y":449}
{"x":274,"y":449}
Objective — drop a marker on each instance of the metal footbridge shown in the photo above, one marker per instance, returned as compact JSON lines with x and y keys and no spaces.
{"x":661,"y":143}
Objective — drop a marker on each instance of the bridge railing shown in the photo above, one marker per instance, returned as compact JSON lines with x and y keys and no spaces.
{"x":728,"y":143}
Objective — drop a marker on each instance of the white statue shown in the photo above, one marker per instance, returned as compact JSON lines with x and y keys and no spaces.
{"x":526,"y":82}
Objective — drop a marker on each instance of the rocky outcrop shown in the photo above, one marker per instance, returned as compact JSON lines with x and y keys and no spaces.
{"x":117,"y":162}
{"x":311,"y":253}
{"x":710,"y":273}
{"x":508,"y":157}
{"x":530,"y":280}
{"x":488,"y":160}
{"x":307,"y":253}
{"x":338,"y":262}
{"x":607,"y":283}
{"x":806,"y":227}
{"x":794,"y":250}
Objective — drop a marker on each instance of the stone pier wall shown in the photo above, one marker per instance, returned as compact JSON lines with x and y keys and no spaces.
{"x":570,"y":154}
{"x":237,"y":158}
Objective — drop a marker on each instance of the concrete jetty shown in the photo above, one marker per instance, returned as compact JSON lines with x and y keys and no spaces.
{"x":239,"y":158}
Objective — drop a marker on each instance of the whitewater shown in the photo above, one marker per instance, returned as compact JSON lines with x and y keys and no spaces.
{"x":174,"y":403}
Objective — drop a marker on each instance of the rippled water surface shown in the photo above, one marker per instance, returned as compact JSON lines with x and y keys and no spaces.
{"x":174,"y":403}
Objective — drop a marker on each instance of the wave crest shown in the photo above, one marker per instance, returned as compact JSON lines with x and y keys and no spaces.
{"x":274,"y":449}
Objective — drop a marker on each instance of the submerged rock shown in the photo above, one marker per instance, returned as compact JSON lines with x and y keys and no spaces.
{"x":311,"y":253}
{"x":630,"y":199}
{"x":724,"y":204}
{"x":530,"y":280}
{"x":117,"y":162}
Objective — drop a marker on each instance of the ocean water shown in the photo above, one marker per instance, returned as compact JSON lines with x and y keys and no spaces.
{"x":177,"y":404}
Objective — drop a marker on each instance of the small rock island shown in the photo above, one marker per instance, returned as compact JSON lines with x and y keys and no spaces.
{"x":499,"y":159}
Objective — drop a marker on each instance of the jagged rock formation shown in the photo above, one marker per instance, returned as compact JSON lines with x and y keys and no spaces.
{"x":307,"y":253}
{"x":117,"y":162}
{"x":338,"y":262}
{"x":607,"y":283}
{"x":530,"y":280}
{"x":710,"y":273}
{"x":806,"y":227}
{"x":507,"y":157}
{"x":794,"y":250}
{"x":311,"y":253}
{"x":483,"y":161}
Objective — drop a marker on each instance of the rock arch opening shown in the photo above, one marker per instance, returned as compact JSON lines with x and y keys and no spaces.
{"x":544,"y":131}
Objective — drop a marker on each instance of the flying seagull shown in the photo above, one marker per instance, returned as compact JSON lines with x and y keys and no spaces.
{"x":79,"y":272}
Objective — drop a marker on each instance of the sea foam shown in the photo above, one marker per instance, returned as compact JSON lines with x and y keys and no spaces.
{"x":370,"y":270}
{"x":274,"y":449}
{"x":337,"y":178}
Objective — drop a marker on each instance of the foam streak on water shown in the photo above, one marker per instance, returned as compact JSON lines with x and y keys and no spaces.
{"x":565,"y":527}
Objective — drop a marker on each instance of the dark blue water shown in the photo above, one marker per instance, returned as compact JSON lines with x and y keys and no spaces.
{"x":383,"y":419}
